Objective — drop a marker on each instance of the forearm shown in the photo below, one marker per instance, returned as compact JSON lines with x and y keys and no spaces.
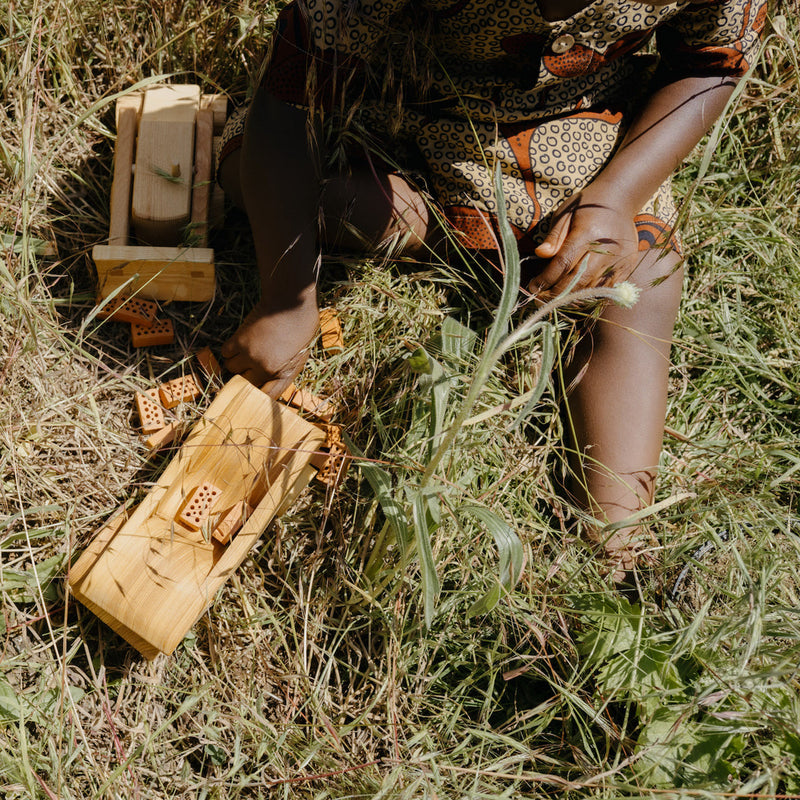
{"x":673,"y":121}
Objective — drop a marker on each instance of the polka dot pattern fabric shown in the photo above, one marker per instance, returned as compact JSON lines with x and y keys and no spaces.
{"x":470,"y":85}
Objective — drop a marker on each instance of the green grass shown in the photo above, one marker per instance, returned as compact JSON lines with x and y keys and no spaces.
{"x":314,"y":674}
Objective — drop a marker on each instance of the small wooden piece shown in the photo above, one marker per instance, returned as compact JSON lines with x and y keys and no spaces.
{"x":331,"y":330}
{"x":150,"y":580}
{"x":161,"y":331}
{"x":209,"y":364}
{"x":201,"y":189}
{"x":151,"y":414}
{"x":157,"y":273}
{"x":197,"y":508}
{"x":179,"y":390}
{"x":310,"y":403}
{"x":129,"y":309}
{"x":162,"y":183}
{"x":120,"y":204}
{"x":218,"y":105}
{"x":230,"y":522}
{"x":163,"y":436}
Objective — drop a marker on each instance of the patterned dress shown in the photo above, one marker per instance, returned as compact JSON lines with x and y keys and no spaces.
{"x":452,"y":88}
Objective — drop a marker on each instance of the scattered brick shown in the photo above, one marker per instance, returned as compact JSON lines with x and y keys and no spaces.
{"x":209,"y":364}
{"x":230,"y":523}
{"x":161,"y":331}
{"x":180,"y":390}
{"x":130,"y":309}
{"x":331,"y":329}
{"x":151,"y":414}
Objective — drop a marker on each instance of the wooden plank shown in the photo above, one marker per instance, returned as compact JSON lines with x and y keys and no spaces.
{"x":157,"y":273}
{"x":201,"y":189}
{"x":131,"y":100}
{"x":120,"y":202}
{"x":162,"y":183}
{"x":151,"y":580}
{"x":218,"y":105}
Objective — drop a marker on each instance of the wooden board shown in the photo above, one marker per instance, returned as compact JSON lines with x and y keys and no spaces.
{"x":120,"y":202}
{"x":162,"y":183}
{"x":218,"y":105}
{"x":151,"y":578}
{"x":157,"y":273}
{"x":201,"y":188}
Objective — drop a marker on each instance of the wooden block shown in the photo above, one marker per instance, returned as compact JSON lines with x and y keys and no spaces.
{"x":164,"y":436}
{"x":162,"y":182}
{"x":152,"y":579}
{"x":130,"y":100}
{"x":331,"y":330}
{"x":129,"y":309}
{"x":151,"y":414}
{"x":218,"y":105}
{"x":201,"y":188}
{"x":197,"y":508}
{"x":230,"y":522}
{"x":157,"y":273}
{"x":120,"y":201}
{"x":161,"y":331}
{"x":209,"y":364}
{"x":311,"y":404}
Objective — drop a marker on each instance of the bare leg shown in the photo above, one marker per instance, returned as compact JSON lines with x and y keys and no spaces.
{"x":617,"y":407}
{"x":279,"y":187}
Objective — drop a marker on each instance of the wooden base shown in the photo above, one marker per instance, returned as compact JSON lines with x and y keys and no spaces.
{"x":156,"y":273}
{"x":149,"y":577}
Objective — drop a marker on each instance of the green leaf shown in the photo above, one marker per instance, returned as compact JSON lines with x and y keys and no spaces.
{"x":509,"y":548}
{"x":381,"y":483}
{"x":419,"y":361}
{"x":10,"y":707}
{"x":458,"y":342}
{"x":548,"y":356}
{"x":424,"y":526}
{"x":23,"y":586}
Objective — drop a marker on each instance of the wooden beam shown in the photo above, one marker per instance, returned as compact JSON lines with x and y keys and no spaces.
{"x":218,"y":105}
{"x":157,"y":273}
{"x":201,"y":188}
{"x":162,"y":183}
{"x":120,"y":202}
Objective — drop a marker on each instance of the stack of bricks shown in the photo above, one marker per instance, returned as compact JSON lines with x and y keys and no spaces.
{"x":142,"y":315}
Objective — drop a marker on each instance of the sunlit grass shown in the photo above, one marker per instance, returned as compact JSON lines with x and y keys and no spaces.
{"x":314,"y":674}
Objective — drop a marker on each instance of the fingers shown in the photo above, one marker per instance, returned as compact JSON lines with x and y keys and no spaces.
{"x":556,"y":237}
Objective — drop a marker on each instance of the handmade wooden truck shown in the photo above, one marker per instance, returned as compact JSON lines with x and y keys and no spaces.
{"x":162,"y":195}
{"x":150,"y":574}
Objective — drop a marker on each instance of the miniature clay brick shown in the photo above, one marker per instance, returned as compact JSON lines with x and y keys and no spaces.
{"x":311,"y":404}
{"x":164,"y":436}
{"x":208,"y":363}
{"x":331,"y":330}
{"x":151,"y":415}
{"x":179,"y":390}
{"x":160,"y":332}
{"x":336,"y":465}
{"x":130,"y":309}
{"x":198,"y":505}
{"x":231,"y":521}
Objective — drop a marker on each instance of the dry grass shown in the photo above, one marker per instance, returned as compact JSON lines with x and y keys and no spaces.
{"x":313,"y":674}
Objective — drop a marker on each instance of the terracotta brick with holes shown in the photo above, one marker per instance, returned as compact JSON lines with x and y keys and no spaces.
{"x":305,"y":401}
{"x":151,"y":414}
{"x":161,"y":331}
{"x":164,"y":436}
{"x":130,"y":309}
{"x":179,"y":390}
{"x":198,"y":505}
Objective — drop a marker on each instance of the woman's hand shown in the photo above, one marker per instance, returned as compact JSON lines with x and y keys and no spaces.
{"x":584,"y":227}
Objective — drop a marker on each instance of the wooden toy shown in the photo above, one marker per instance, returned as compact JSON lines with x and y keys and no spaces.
{"x":151,"y":414}
{"x":331,"y":330}
{"x":161,"y":195}
{"x":179,"y":390}
{"x":160,"y":332}
{"x":150,"y":578}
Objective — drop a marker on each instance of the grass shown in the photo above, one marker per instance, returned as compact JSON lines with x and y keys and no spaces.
{"x":314,"y":675}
